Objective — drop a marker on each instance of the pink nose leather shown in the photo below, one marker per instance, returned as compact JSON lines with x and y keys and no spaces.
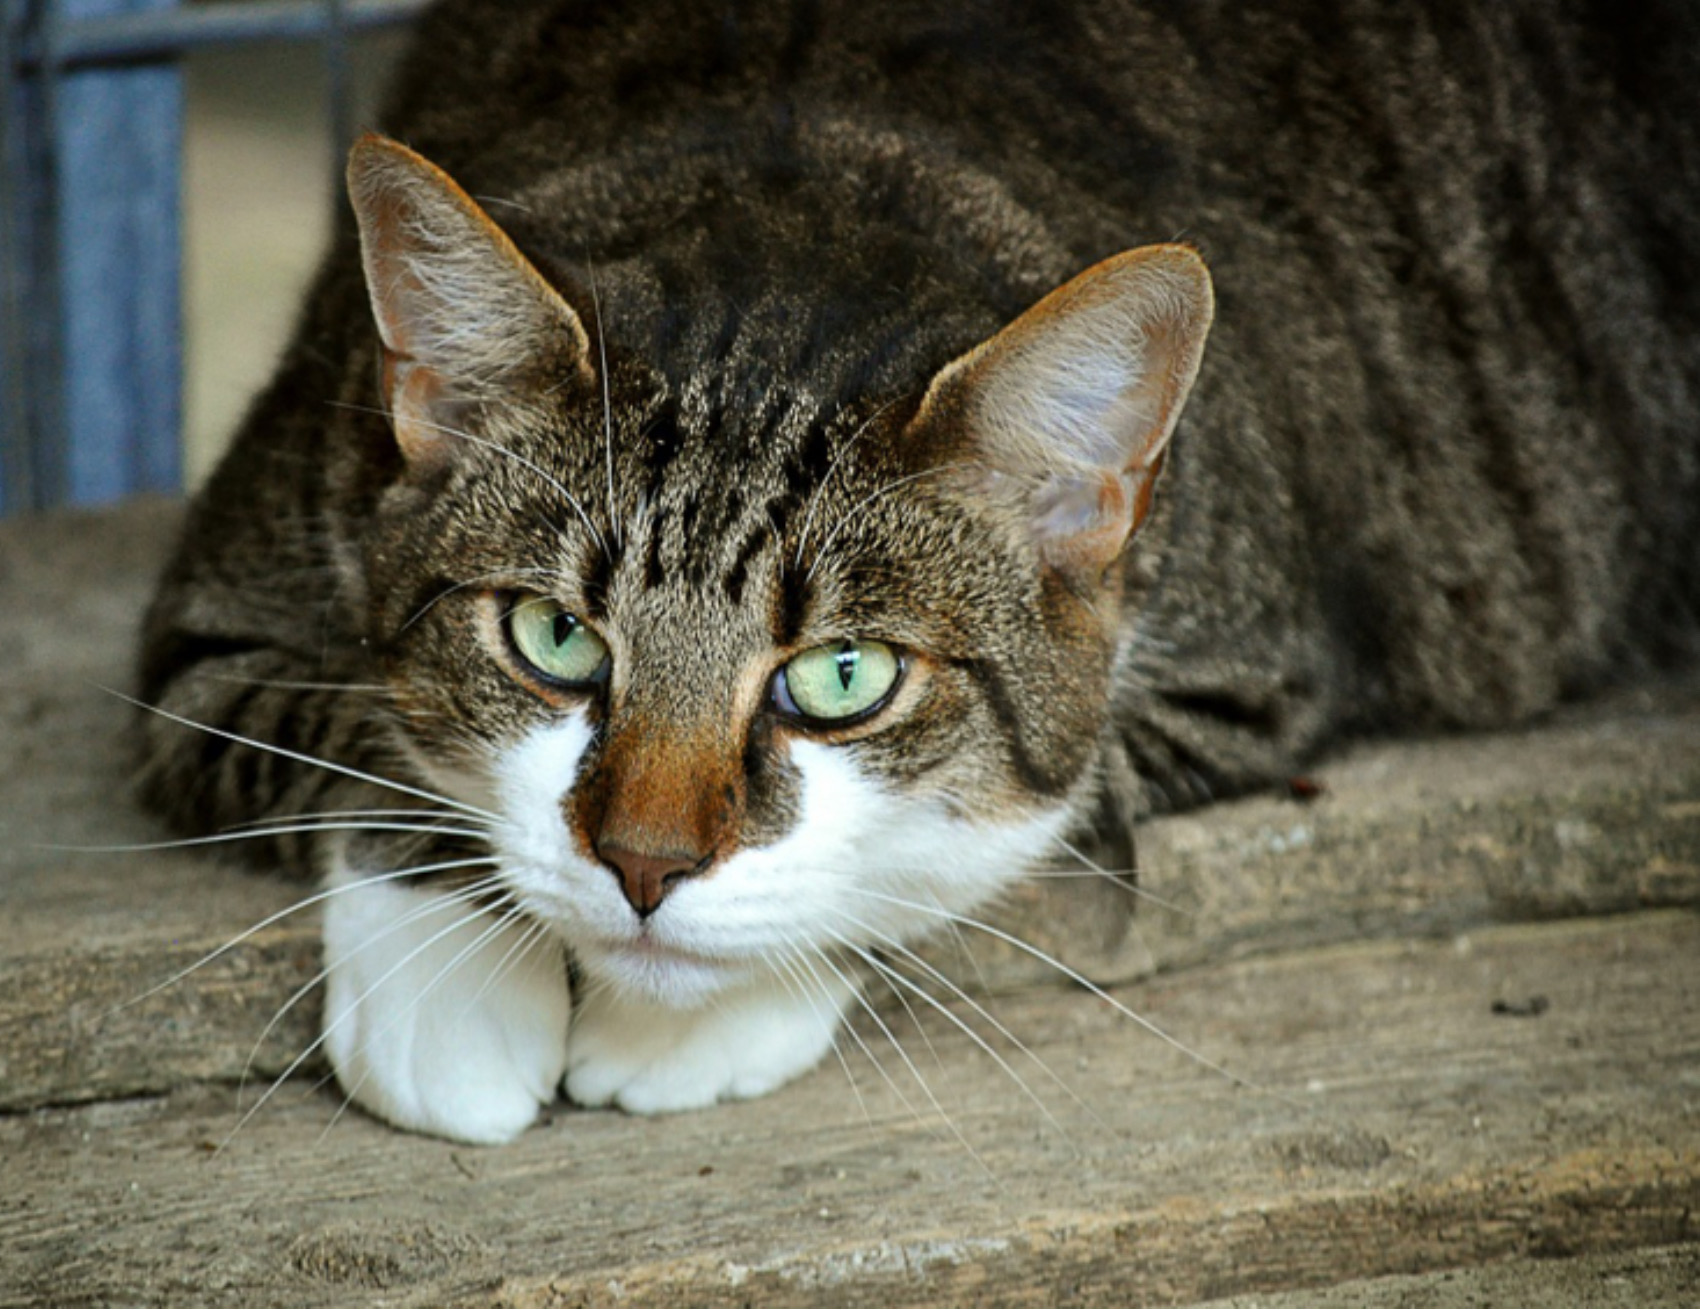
{"x":646,"y":879}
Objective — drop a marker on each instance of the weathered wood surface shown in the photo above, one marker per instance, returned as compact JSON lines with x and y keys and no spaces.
{"x":1343,"y":956}
{"x":1399,"y":1126}
{"x":1657,"y":1275}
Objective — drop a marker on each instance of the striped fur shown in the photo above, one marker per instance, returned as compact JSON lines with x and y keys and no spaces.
{"x":742,"y":361}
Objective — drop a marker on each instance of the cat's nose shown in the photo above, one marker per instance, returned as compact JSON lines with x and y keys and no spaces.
{"x":646,"y":879}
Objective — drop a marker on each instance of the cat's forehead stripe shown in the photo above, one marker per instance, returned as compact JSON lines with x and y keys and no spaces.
{"x":709,"y":526}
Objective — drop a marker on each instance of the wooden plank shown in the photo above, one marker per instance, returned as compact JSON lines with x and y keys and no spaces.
{"x":1399,"y":1125}
{"x":1661,"y":1275}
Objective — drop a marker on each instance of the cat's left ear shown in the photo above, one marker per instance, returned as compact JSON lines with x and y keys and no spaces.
{"x":464,"y":316}
{"x":1076,"y":400}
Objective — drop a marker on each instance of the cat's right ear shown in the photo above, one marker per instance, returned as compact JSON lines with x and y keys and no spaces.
{"x":463,"y":315}
{"x":1073,"y":404}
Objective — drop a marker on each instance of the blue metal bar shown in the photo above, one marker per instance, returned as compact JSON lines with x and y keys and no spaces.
{"x":118,"y":140}
{"x":35,"y":454}
{"x":15,"y":479}
{"x":90,"y":144}
{"x":339,"y":88}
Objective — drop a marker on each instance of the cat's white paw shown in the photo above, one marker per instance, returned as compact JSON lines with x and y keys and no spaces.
{"x":651,"y":1059}
{"x":439,"y":1019}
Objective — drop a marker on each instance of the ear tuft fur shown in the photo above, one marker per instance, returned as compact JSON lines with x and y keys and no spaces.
{"x":1077,"y":399}
{"x":462,"y":313}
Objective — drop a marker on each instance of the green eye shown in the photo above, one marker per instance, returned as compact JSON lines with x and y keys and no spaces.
{"x":844,"y":680}
{"x":555,"y":643}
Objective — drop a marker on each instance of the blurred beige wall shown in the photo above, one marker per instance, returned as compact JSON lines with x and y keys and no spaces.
{"x":257,"y":184}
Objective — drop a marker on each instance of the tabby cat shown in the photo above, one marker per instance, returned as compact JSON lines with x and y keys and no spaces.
{"x":727,"y":506}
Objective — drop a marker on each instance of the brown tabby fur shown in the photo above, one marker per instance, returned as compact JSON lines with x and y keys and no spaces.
{"x":1441,"y":467}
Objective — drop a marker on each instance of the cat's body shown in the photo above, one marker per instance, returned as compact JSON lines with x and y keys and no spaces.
{"x":1441,"y":467}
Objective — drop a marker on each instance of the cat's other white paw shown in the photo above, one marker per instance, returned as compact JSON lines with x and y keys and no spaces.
{"x":652,"y":1059}
{"x":439,"y":1019}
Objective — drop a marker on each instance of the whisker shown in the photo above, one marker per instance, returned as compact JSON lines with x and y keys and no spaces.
{"x":964,"y":949}
{"x":488,"y":201}
{"x":306,"y":988}
{"x":1074,"y":976}
{"x":299,"y":758}
{"x":495,"y":929}
{"x":868,"y":499}
{"x":493,"y":574}
{"x":294,"y":908}
{"x":287,"y":684}
{"x":461,"y":895}
{"x":902,"y":998}
{"x":903,"y":1055}
{"x":850,"y":1029}
{"x":535,"y":931}
{"x":1002,"y":1029}
{"x":254,"y":832}
{"x":1118,"y":876}
{"x":894,"y":977}
{"x":329,"y":1028}
{"x":442,"y":815}
{"x":814,"y":496}
{"x":786,"y":966}
{"x":607,"y":404}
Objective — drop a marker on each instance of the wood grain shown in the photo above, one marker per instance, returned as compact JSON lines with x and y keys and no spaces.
{"x":1397,"y":1125}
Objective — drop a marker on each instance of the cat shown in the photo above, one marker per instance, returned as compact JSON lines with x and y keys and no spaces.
{"x":727,"y":507}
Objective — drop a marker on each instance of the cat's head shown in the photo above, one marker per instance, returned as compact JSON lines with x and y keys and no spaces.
{"x":746,"y":680}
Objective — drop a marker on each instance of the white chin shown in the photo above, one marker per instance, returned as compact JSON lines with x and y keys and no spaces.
{"x":644,"y":971}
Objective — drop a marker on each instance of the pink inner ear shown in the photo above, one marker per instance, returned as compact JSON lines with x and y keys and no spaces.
{"x":381,"y":210}
{"x":1084,"y":523}
{"x":1079,"y":396}
{"x":425,"y":414}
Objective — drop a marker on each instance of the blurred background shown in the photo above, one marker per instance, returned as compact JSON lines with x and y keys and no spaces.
{"x":170,"y":174}
{"x":258,"y":171}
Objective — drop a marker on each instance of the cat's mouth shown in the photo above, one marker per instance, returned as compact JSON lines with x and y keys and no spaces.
{"x":646,"y":945}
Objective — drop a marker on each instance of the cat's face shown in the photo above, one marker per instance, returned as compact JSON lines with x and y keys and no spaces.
{"x":841,"y":704}
{"x":742,"y":684}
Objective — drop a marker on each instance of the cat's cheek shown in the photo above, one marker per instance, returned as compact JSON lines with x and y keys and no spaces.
{"x":948,"y":866}
{"x":876,"y":865}
{"x":439,"y":1017}
{"x":535,"y":773}
{"x":537,"y":860}
{"x":459,"y":780}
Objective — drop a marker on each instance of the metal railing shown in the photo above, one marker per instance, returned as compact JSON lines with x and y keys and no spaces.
{"x":91,"y":129}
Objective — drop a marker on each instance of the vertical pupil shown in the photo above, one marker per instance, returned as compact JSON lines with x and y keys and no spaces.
{"x":846,"y":661}
{"x":563,"y":627}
